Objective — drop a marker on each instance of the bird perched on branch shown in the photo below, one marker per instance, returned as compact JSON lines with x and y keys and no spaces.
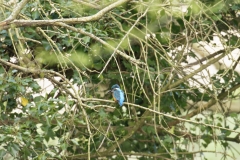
{"x":118,"y":94}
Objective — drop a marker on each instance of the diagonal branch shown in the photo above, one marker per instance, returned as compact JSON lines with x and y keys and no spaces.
{"x":131,"y":59}
{"x":211,"y":102}
{"x":97,"y":16}
{"x":134,"y":129}
{"x":15,"y":12}
{"x":38,"y":71}
{"x":203,"y":59}
{"x":170,"y":86}
{"x":221,"y":96}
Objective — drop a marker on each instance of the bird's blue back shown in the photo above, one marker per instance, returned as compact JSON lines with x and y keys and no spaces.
{"x":118,"y":94}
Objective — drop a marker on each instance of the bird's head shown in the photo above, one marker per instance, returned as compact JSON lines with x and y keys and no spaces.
{"x":115,"y":86}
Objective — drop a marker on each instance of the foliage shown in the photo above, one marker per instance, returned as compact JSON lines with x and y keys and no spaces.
{"x":144,"y":46}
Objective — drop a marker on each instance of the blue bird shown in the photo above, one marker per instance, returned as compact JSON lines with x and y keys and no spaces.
{"x":118,"y":94}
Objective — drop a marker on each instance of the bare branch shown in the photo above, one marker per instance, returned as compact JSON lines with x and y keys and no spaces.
{"x":170,"y":86}
{"x":15,"y":12}
{"x":211,"y":102}
{"x":129,"y":58}
{"x":153,"y":155}
{"x":97,"y":16}
{"x":203,"y":59}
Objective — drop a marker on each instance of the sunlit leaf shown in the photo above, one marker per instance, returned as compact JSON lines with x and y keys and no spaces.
{"x":24,"y":101}
{"x":171,"y":130}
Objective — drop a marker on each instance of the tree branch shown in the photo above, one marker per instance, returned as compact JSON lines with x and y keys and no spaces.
{"x":129,"y":58}
{"x":211,"y":102}
{"x":177,"y":120}
{"x":170,"y":86}
{"x":153,"y":155}
{"x":97,"y":16}
{"x":203,"y":59}
{"x":15,"y":12}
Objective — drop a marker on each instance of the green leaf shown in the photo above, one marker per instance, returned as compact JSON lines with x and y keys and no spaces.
{"x":11,"y":80}
{"x":207,"y":140}
{"x":2,"y":71}
{"x":35,"y":86}
{"x":86,"y":39}
{"x":167,"y":139}
{"x":42,"y":157}
{"x":49,"y":133}
{"x":233,"y":115}
{"x":4,"y":86}
{"x":35,"y":14}
{"x":148,"y":129}
{"x":233,"y":40}
{"x":2,"y":138}
{"x":26,"y":152}
{"x":102,"y":113}
{"x":15,"y":146}
{"x":2,"y":153}
{"x":46,"y":45}
{"x":75,"y":141}
{"x":235,"y":7}
{"x":224,"y":144}
{"x":217,"y":17}
{"x":98,"y":66}
{"x":60,"y":124}
{"x":12,"y":149}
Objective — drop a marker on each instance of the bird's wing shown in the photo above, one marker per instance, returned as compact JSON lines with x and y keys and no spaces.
{"x":118,"y":95}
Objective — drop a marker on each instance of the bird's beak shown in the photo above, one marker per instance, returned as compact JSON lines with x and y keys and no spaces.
{"x":108,"y":91}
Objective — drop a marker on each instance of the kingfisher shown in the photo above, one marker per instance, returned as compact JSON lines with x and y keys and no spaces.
{"x":118,"y":94}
